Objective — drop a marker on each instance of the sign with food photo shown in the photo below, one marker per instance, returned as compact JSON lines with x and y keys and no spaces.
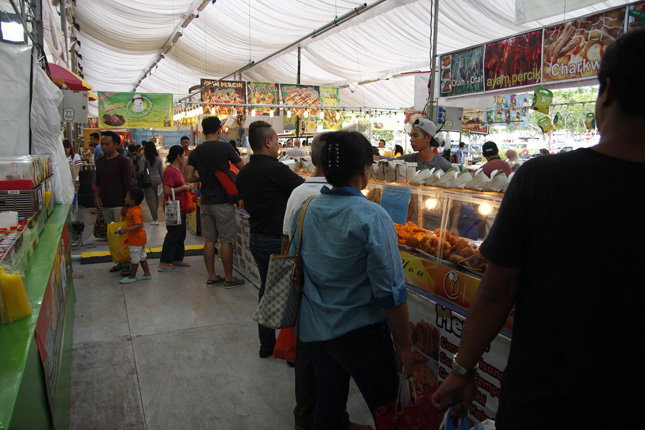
{"x":474,"y":121}
{"x":301,"y":95}
{"x":330,"y":100}
{"x":262,"y":93}
{"x":135,"y":110}
{"x":462,"y":72}
{"x":513,"y":62}
{"x":228,"y":92}
{"x":636,"y":16}
{"x":573,"y":49}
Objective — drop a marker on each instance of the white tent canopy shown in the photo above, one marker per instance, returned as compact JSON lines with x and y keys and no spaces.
{"x":167,"y":46}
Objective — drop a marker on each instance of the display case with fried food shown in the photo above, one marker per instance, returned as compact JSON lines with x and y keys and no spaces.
{"x":423,"y":376}
{"x":425,"y":337}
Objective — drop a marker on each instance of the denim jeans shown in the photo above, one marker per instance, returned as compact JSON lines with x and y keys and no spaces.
{"x":366,"y":355}
{"x":262,"y":247}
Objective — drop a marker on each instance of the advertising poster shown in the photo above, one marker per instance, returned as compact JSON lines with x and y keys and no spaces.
{"x":636,"y":16}
{"x":573,"y":49}
{"x":228,"y":92}
{"x":301,"y":95}
{"x":474,"y":121}
{"x":510,"y":110}
{"x":462,"y":72}
{"x":436,"y":334}
{"x":262,"y":93}
{"x":331,"y":117}
{"x":513,"y":62}
{"x":135,"y":110}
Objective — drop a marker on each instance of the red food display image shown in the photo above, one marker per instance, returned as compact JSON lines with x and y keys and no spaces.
{"x":513,"y":62}
{"x":113,"y":119}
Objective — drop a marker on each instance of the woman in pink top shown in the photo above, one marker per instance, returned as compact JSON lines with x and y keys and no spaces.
{"x":172,"y":251}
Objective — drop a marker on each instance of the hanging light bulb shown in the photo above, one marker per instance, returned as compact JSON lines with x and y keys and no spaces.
{"x":253,"y":112}
{"x":306,"y":113}
{"x":367,"y":115}
{"x":271,"y":113}
{"x":337,"y":115}
{"x":288,"y":113}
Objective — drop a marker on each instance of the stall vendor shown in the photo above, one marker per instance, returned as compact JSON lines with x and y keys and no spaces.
{"x":423,"y":141}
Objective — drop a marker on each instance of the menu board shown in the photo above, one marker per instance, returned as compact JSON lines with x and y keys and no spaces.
{"x":301,"y":95}
{"x":509,"y":110}
{"x":474,"y":121}
{"x":514,"y":61}
{"x":573,"y":49}
{"x":462,"y":72}
{"x":233,"y":92}
{"x":135,"y":110}
{"x":330,"y":98}
{"x":262,"y":93}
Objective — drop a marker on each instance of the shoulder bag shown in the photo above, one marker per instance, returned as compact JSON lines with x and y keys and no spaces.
{"x":143,"y":178}
{"x":227,"y":181}
{"x":280,"y":303}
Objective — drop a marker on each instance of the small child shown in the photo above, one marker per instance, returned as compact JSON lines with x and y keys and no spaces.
{"x":137,"y":237}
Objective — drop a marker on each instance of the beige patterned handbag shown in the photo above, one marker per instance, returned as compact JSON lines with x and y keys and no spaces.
{"x":280,"y":303}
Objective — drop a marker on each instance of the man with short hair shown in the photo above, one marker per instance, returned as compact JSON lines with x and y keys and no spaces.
{"x":296,"y":151}
{"x":185,"y":143}
{"x":265,"y":185}
{"x":459,"y":155}
{"x":493,"y":160}
{"x":217,"y":212}
{"x":544,"y":262}
{"x":95,"y":144}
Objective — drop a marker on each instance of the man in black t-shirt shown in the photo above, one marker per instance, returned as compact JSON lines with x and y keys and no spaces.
{"x":217,"y":213}
{"x":265,"y":185}
{"x":555,"y":256}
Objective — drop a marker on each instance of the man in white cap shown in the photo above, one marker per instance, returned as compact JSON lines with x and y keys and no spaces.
{"x":422,"y":141}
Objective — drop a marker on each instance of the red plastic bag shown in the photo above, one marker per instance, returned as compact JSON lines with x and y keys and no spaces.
{"x":189,"y":204}
{"x":285,"y":345}
{"x":419,"y":414}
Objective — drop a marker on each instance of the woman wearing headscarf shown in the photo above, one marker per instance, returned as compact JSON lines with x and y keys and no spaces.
{"x":513,"y":160}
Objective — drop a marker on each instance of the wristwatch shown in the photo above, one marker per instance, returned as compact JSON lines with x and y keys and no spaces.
{"x":463,"y":371}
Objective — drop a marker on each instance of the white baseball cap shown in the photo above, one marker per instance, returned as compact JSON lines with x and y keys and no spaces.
{"x":426,"y":125}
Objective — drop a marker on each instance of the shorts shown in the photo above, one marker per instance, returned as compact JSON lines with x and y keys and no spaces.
{"x":218,"y":222}
{"x":137,"y":254}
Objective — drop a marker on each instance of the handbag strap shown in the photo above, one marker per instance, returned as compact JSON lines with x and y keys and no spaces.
{"x":299,"y":222}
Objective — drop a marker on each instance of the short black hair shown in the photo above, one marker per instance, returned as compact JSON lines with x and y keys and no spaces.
{"x":136,"y":194}
{"x":462,"y":144}
{"x":184,"y":138}
{"x":344,"y":154}
{"x":95,"y":135}
{"x":211,"y":124}
{"x":259,"y":131}
{"x":624,"y":63}
{"x":115,"y":137}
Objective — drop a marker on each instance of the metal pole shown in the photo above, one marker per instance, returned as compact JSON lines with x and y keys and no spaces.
{"x":433,"y":60}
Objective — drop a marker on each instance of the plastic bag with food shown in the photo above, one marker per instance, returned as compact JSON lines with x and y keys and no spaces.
{"x":478,"y":182}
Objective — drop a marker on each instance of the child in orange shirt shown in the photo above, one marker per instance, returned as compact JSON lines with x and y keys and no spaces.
{"x":137,"y":237}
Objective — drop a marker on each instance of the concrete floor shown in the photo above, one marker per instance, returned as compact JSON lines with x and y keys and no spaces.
{"x":171,"y":353}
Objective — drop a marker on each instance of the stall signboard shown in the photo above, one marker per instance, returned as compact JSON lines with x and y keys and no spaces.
{"x":573,"y":49}
{"x":635,"y":16}
{"x":462,"y":72}
{"x":262,"y":93}
{"x":455,"y":287}
{"x":301,"y":95}
{"x":513,"y":62}
{"x":330,"y":100}
{"x":436,"y":335}
{"x":135,"y":110}
{"x":474,"y":121}
{"x":510,"y":110}
{"x":227,"y":92}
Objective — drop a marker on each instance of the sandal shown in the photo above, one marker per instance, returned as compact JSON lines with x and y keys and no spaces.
{"x":116,"y":268}
{"x":181,"y":264}
{"x":212,"y":282}
{"x":233,"y":283}
{"x":167,"y":269}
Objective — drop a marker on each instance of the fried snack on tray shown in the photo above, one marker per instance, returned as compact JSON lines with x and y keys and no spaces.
{"x":425,"y":337}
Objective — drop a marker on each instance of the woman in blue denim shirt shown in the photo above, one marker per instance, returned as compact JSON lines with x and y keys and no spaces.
{"x":354,"y":315}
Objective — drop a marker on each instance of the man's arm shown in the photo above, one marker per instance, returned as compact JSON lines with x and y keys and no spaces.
{"x":487,"y":314}
{"x":189,"y":174}
{"x":399,"y":322}
{"x":239,"y":165}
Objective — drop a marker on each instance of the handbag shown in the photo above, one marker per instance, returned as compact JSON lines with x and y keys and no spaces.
{"x":118,"y":244}
{"x":280,"y":303}
{"x":172,"y":210}
{"x":227,"y":181}
{"x":285,"y":345}
{"x":100,"y":226}
{"x":143,"y":178}
{"x":408,"y":410}
{"x":189,"y":204}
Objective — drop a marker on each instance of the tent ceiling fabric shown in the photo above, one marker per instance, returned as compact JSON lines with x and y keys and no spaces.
{"x":121,"y":39}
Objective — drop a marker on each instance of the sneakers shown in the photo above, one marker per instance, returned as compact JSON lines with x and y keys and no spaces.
{"x":233,"y":283}
{"x":144,"y":277}
{"x":211,"y":282}
{"x":127,"y":280}
{"x":154,"y":222}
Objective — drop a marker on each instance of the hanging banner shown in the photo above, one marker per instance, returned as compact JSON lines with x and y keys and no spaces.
{"x":233,"y":92}
{"x":462,"y":72}
{"x":262,"y":93}
{"x":509,"y":110}
{"x":135,"y":110}
{"x":513,"y":62}
{"x":474,"y":121}
{"x":330,"y":99}
{"x":301,"y":95}
{"x":635,"y":16}
{"x":573,"y":50}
